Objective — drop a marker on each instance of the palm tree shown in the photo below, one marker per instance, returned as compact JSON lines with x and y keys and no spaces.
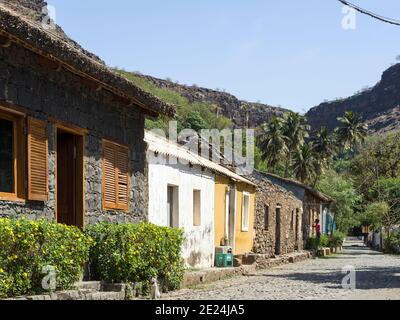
{"x":273,"y":143}
{"x":352,"y":130}
{"x":296,"y":130}
{"x":305,"y":163}
{"x":324,"y":149}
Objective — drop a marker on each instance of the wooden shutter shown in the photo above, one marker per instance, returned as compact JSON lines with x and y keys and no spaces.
{"x":115,"y":176}
{"x":121,"y":162}
{"x":37,"y":160}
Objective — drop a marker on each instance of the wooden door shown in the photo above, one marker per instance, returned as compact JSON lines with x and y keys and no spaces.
{"x":69,"y":179}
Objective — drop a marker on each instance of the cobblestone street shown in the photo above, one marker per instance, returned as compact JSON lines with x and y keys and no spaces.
{"x":377,"y":277}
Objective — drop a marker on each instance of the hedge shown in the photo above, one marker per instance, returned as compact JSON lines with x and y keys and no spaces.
{"x":28,"y":248}
{"x":135,"y":253}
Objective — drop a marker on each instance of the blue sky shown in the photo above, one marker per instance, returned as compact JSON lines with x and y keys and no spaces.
{"x":289,"y":52}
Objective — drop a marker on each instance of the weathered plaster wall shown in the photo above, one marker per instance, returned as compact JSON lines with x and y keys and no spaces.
{"x":221,"y":187}
{"x":198,"y":249}
{"x":28,"y":81}
{"x":291,"y":237}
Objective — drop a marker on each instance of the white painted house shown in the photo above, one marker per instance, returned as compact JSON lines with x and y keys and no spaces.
{"x":181,"y":194}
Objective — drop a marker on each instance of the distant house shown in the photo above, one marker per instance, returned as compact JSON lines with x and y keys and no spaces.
{"x":316,"y":205}
{"x":209,"y":202}
{"x":71,"y":130}
{"x":278,"y":218}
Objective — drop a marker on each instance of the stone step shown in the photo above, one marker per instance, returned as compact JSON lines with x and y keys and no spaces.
{"x":89,"y":285}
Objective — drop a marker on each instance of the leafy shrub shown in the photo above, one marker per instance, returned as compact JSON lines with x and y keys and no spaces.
{"x":336,"y":239}
{"x":392,"y":243}
{"x":29,"y":246}
{"x":313,"y":243}
{"x":136,"y":253}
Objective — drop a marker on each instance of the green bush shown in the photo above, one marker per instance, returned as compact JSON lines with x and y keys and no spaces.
{"x":27,"y":247}
{"x":392,"y":243}
{"x":136,"y":253}
{"x":336,"y":239}
{"x":313,"y":243}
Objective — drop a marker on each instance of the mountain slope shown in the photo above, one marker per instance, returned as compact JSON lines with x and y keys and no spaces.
{"x":242,"y":113}
{"x":379,"y":105}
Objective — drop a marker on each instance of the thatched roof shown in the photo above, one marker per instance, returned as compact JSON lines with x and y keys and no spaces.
{"x":23,"y":25}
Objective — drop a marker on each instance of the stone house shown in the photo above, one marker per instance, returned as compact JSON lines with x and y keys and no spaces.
{"x":316,"y":205}
{"x":185,"y":192}
{"x":278,"y":218}
{"x":71,"y":130}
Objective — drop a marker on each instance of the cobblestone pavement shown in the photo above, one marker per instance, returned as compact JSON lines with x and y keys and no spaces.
{"x":377,"y":277}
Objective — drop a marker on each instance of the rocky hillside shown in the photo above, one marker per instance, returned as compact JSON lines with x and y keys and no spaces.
{"x":241,"y":112}
{"x":379,"y":106}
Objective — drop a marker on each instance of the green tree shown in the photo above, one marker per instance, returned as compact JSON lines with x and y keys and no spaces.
{"x":352,"y":130}
{"x":388,"y":191}
{"x":379,"y":159}
{"x":296,"y":130}
{"x":347,"y":199}
{"x":375,"y":215}
{"x":194,"y":121}
{"x":305,"y":163}
{"x":324,"y":149}
{"x":273,"y":143}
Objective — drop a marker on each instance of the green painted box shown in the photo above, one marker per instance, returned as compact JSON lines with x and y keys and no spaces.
{"x":224,"y":260}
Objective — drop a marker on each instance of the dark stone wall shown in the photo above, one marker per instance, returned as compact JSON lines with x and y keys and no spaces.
{"x":290,"y":236}
{"x":28,"y":81}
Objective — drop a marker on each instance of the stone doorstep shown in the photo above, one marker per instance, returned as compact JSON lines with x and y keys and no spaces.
{"x":259,"y":262}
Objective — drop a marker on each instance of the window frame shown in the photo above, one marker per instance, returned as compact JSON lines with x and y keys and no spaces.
{"x":197,"y":219}
{"x":106,"y":206}
{"x":12,"y":196}
{"x":246,"y":228}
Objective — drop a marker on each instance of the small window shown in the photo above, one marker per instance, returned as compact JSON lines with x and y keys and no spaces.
{"x":266,"y":217}
{"x":196,"y":208}
{"x":12,"y":157}
{"x":115,"y":176}
{"x":173,"y":206}
{"x":246,"y":212}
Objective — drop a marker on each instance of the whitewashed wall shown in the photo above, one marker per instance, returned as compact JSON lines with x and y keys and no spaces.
{"x":198,"y":250}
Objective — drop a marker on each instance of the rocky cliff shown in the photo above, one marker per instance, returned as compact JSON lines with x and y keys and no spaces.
{"x":242,"y":113}
{"x":379,"y":106}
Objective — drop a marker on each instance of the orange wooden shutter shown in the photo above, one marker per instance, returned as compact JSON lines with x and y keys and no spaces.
{"x":37,"y":160}
{"x":109,"y":178}
{"x":115,"y":177}
{"x":121,"y":163}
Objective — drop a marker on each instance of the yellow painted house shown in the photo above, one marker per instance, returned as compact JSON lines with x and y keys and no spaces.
{"x":234,"y":213}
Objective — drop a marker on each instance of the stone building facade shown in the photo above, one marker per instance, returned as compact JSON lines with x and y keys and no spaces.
{"x":278,"y":219}
{"x":315,"y":205}
{"x":77,"y":98}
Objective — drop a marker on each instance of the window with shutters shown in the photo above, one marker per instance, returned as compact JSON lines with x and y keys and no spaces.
{"x":37,"y":160}
{"x":115,"y":176}
{"x":11,"y":157}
